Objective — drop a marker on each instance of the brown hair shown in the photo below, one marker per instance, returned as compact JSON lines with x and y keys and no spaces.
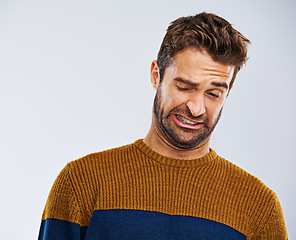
{"x":205,"y":31}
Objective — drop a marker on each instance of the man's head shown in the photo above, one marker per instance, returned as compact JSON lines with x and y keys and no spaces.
{"x":207,"y":32}
{"x":196,"y":66}
{"x":190,"y":98}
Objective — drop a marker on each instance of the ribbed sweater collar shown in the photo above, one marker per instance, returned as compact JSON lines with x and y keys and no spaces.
{"x":212,"y":155}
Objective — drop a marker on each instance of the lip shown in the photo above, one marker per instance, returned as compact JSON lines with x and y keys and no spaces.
{"x":187,"y":125}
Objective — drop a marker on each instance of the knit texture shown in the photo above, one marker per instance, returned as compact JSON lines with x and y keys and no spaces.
{"x":134,"y":177}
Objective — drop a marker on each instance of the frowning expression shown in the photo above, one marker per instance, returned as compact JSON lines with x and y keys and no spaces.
{"x":190,"y":98}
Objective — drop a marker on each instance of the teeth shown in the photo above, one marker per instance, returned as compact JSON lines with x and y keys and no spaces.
{"x":185,"y":120}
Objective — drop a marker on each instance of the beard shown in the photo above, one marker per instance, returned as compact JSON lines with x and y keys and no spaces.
{"x":181,"y":138}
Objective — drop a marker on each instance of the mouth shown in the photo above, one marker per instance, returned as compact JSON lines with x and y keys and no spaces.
{"x":185,"y":122}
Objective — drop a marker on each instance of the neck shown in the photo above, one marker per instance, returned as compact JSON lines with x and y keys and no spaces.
{"x":162,"y":146}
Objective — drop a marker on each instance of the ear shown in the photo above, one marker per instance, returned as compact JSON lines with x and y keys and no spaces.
{"x":154,"y":74}
{"x":229,"y":90}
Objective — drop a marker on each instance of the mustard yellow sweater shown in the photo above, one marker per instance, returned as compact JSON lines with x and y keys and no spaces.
{"x":132,"y":192}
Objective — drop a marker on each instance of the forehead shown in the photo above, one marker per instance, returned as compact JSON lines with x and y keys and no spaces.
{"x":195,"y":64}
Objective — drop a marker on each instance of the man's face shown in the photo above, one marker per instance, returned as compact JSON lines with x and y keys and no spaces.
{"x":190,"y":98}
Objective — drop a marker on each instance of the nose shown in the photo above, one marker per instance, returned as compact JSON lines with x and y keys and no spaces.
{"x":196,"y":106}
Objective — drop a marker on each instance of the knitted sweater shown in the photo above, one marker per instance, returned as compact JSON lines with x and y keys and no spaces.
{"x":132,"y":192}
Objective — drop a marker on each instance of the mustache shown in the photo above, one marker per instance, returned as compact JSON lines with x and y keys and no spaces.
{"x":184,"y":111}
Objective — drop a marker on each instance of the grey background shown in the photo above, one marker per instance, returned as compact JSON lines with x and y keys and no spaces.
{"x":75,"y":80}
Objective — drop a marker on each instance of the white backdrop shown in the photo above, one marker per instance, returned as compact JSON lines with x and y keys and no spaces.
{"x":75,"y":80}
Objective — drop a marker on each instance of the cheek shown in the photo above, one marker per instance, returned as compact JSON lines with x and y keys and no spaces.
{"x":178,"y":100}
{"x":171,"y":98}
{"x":213,"y":112}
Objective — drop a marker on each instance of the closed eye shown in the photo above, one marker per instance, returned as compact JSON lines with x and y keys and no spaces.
{"x":214,"y":95}
{"x":183,"y":89}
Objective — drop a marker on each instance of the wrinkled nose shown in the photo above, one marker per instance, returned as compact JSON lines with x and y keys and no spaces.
{"x":196,"y":106}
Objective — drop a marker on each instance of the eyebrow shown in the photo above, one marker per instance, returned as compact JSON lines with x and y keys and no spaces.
{"x":178,"y":79}
{"x":217,"y":84}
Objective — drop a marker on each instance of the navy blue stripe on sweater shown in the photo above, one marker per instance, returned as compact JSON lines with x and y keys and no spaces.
{"x":145,"y":225}
{"x":54,"y":229}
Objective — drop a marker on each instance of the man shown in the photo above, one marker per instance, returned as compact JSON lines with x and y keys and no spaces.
{"x":171,"y":185}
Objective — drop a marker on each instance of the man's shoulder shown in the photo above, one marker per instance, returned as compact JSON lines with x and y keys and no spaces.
{"x":102,"y":157}
{"x":243,"y":180}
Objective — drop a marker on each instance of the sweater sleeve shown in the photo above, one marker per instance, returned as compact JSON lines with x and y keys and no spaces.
{"x":275,"y":227}
{"x":62,"y":218}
